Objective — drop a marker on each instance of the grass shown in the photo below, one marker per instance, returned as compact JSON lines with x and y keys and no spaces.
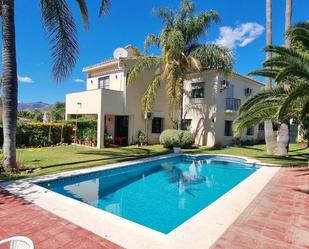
{"x":297,"y":156}
{"x":57,"y":159}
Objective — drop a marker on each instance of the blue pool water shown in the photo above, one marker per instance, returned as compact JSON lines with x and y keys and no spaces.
{"x":160,"y":194}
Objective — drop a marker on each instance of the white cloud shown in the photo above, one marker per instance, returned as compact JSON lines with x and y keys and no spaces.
{"x":240,"y":36}
{"x":79,"y":80}
{"x":25,"y":79}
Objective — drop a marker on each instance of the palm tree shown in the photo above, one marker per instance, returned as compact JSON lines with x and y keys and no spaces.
{"x":289,"y":99}
{"x":270,"y":138}
{"x":60,"y":27}
{"x":284,"y":130}
{"x":181,"y":54}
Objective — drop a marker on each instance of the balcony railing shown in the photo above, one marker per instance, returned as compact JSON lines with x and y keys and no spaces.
{"x":232,"y":104}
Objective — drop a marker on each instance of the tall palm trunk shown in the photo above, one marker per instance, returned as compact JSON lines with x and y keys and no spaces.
{"x":9,"y":80}
{"x":284,"y":131}
{"x":180,"y":116}
{"x":270,"y":138}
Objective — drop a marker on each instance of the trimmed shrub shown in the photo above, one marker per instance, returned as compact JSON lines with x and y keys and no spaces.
{"x":176,"y":138}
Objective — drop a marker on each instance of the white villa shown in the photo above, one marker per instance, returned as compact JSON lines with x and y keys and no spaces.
{"x":210,"y":104}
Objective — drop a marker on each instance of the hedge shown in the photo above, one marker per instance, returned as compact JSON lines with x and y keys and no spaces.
{"x":40,"y":134}
{"x":46,"y":134}
{"x":176,"y":138}
{"x":86,"y":129}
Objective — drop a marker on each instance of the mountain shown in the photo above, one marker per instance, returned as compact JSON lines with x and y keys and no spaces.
{"x":34,"y":105}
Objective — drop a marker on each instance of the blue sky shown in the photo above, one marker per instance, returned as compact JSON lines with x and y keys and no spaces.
{"x":128,"y":22}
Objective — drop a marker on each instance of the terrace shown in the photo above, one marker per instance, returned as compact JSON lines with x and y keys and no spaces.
{"x":277,"y":215}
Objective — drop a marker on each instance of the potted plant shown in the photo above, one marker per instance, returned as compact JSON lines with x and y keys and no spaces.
{"x":176,"y":143}
{"x":108,"y":138}
{"x":302,"y":142}
{"x":141,"y":138}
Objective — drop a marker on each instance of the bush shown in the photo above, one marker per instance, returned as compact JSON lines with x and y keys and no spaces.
{"x":86,"y":129}
{"x":176,"y":138}
{"x":41,"y":134}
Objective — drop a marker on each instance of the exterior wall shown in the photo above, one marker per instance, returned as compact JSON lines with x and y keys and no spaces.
{"x":240,"y":84}
{"x":134,"y":108}
{"x":96,"y":102}
{"x":86,"y":102}
{"x":208,"y":115}
{"x":113,"y":102}
{"x":116,"y":81}
{"x":110,"y":124}
{"x":202,"y":112}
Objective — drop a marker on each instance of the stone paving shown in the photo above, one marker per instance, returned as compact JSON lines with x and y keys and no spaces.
{"x":278,"y":218}
{"x":47,"y":231}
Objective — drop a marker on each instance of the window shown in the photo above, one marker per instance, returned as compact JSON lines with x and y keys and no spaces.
{"x":157,"y":125}
{"x":261,"y":127}
{"x":186,"y":124}
{"x":250,"y":131}
{"x":197,"y":91}
{"x":104,"y":82}
{"x":228,"y":128}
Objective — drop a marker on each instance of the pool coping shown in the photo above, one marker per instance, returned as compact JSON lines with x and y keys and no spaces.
{"x":200,"y":231}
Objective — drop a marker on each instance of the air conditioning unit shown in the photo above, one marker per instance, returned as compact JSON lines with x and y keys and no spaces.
{"x":148,"y":115}
{"x":248,"y":91}
{"x":225,"y":84}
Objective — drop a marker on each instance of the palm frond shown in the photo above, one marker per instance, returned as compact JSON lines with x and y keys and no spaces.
{"x":175,"y":47}
{"x":194,"y":63}
{"x":151,"y":40}
{"x":105,"y":5}
{"x":305,"y":110}
{"x":266,"y":110}
{"x":165,"y":14}
{"x":214,"y":57}
{"x":299,"y":33}
{"x":266,"y":72}
{"x":84,"y":12}
{"x":151,"y":93}
{"x":260,"y":97}
{"x":298,"y":91}
{"x":186,"y":9}
{"x":173,"y":79}
{"x":142,"y":65}
{"x":196,"y":26}
{"x":59,"y":25}
{"x":287,"y":63}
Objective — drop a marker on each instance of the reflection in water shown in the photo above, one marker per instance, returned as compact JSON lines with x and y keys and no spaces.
{"x":186,"y":178}
{"x":158,"y":195}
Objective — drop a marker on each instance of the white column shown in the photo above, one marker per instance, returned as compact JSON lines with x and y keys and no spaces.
{"x":100,"y":130}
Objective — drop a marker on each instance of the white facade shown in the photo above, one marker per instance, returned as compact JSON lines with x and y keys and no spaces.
{"x":210,"y":105}
{"x":117,"y":107}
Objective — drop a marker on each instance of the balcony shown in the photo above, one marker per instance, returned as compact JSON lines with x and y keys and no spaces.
{"x":232,"y":105}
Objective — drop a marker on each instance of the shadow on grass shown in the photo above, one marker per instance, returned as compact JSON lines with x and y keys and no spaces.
{"x":108,"y":157}
{"x":304,"y":191}
{"x":291,"y":160}
{"x":120,"y":151}
{"x":251,"y":148}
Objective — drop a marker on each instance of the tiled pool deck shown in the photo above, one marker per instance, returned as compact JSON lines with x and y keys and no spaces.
{"x":277,"y":218}
{"x":47,"y":230}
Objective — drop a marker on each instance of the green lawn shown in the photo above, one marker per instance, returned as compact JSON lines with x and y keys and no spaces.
{"x":51,"y":160}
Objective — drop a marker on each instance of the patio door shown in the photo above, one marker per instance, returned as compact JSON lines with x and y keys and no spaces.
{"x":121,"y":130}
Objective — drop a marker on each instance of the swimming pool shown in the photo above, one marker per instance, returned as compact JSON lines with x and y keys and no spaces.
{"x":160,"y":194}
